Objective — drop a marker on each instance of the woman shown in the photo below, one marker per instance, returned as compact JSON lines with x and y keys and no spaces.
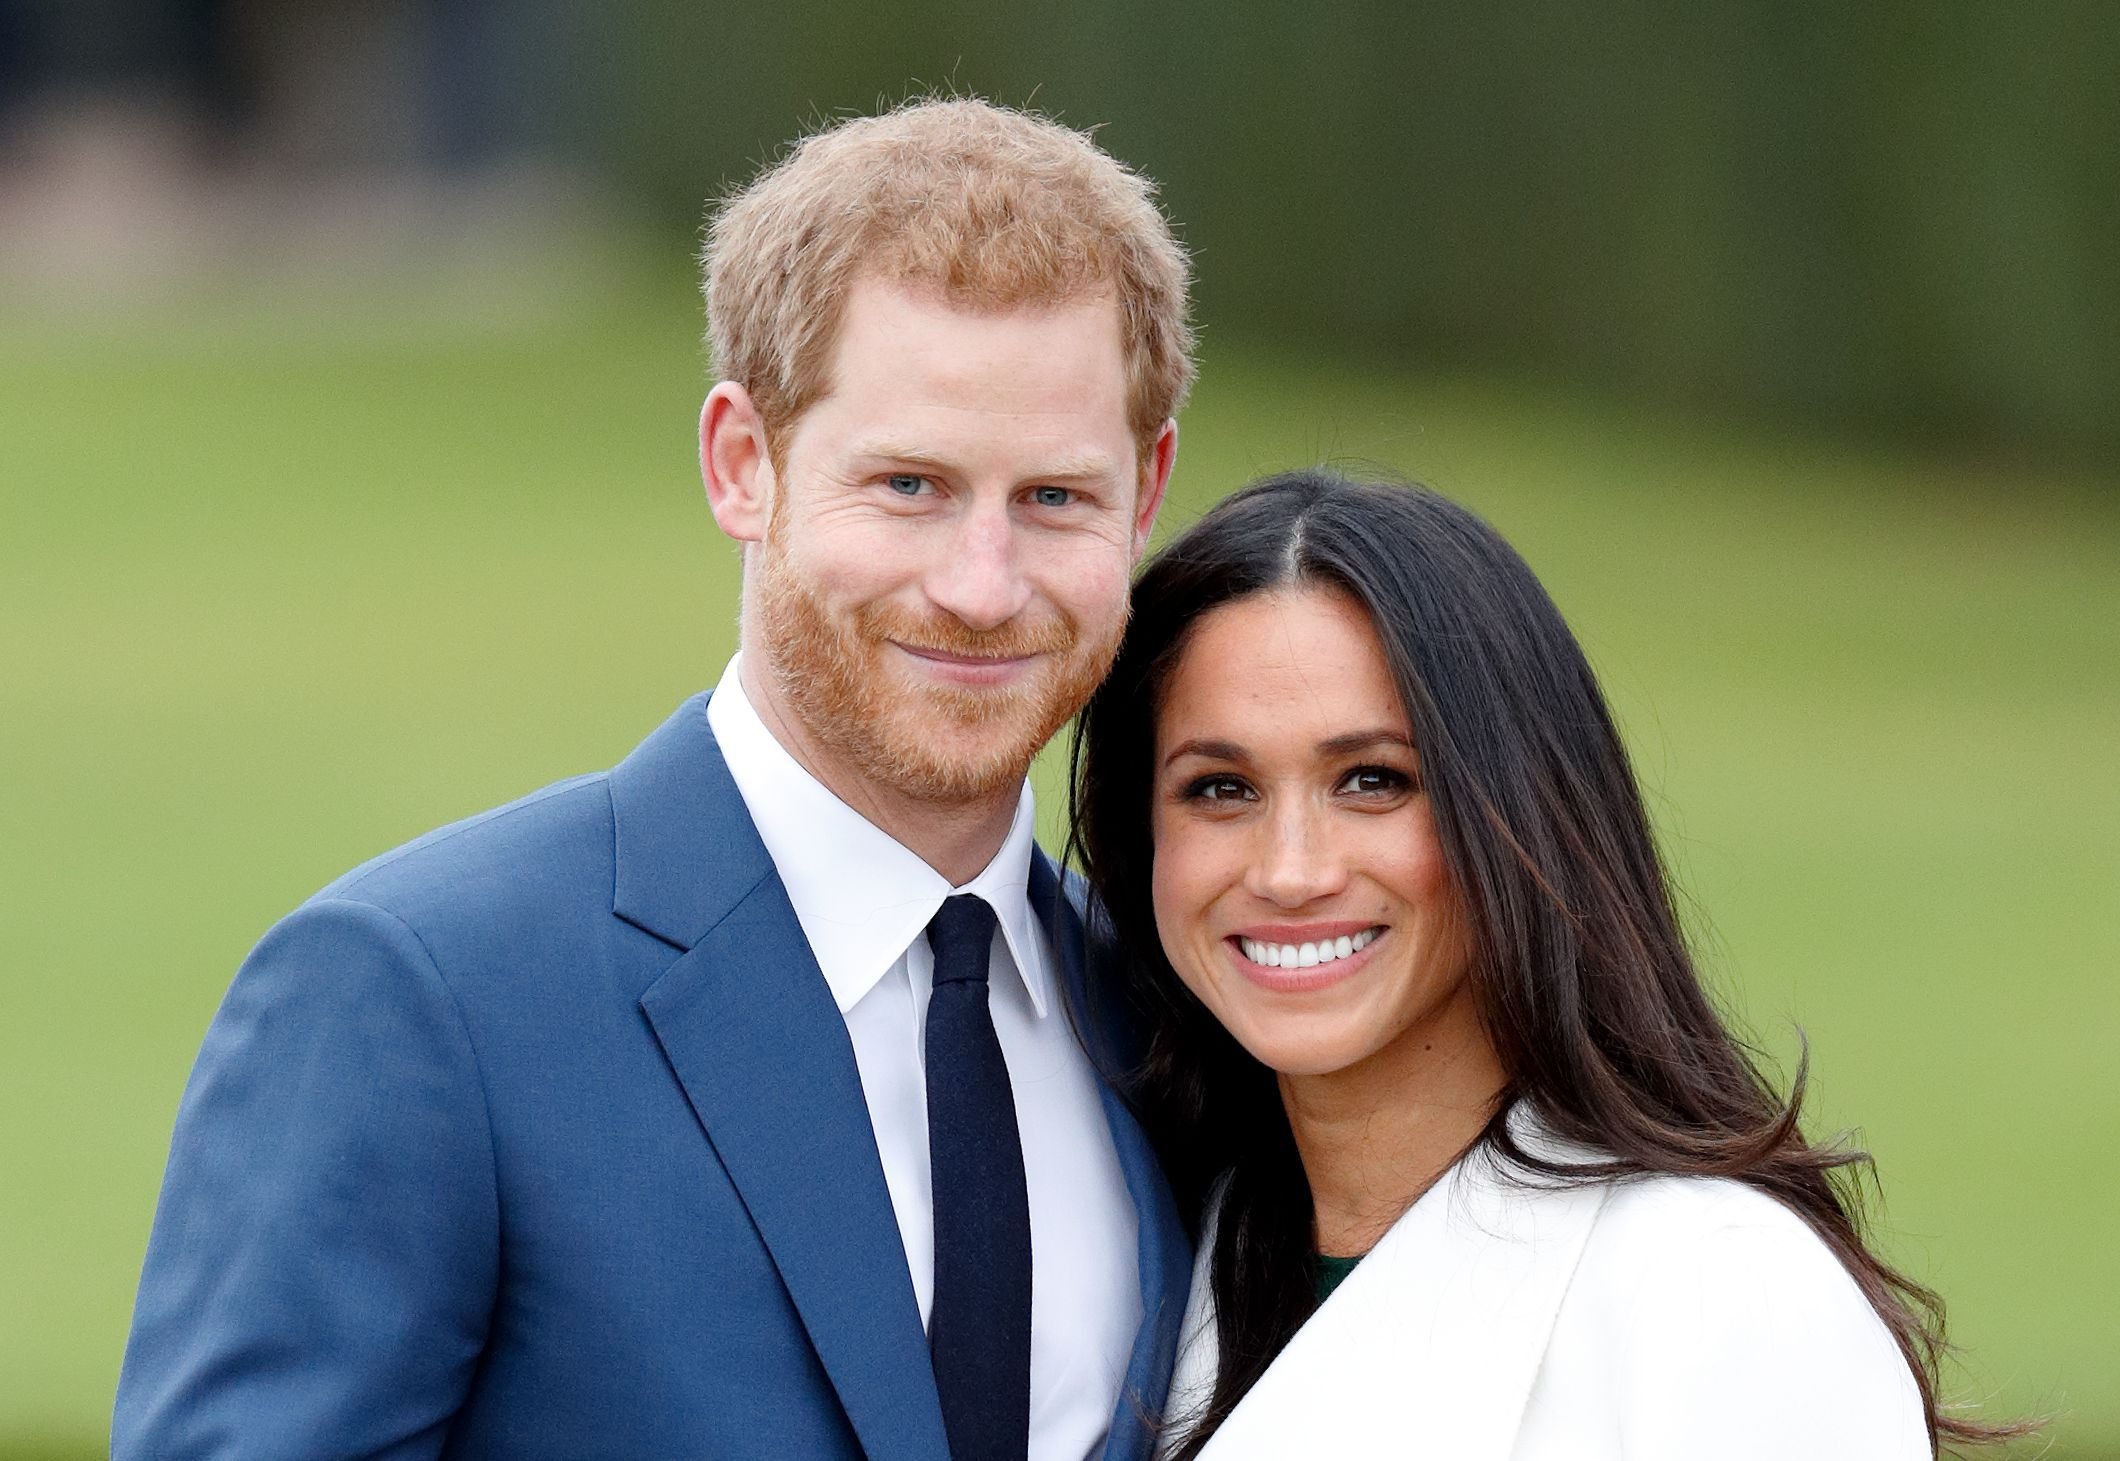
{"x":1481,"y":1173}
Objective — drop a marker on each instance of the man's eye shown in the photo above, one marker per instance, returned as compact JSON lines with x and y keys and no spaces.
{"x":1052,"y":496}
{"x":906,"y":484}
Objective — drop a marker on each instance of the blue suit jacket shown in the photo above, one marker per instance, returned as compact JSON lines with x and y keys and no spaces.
{"x":542,"y":1137}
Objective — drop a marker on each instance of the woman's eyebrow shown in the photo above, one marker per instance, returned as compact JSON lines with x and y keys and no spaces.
{"x":1212,"y":750}
{"x":1353,"y":741}
{"x":1341,"y":745}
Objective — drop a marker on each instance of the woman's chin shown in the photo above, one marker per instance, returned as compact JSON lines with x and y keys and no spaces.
{"x":1299,"y":1053}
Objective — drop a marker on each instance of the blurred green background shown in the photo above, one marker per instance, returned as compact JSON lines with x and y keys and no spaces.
{"x":348,"y":374}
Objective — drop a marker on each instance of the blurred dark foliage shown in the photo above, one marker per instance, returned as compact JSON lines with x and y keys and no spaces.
{"x":1877,"y":217}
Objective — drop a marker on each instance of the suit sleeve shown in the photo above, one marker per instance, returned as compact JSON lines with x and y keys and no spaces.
{"x":324,"y":1256}
{"x":1751,"y":1342}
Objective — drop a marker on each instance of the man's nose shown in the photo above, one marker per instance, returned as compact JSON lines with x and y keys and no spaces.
{"x":980,"y":579}
{"x":1296,"y":862}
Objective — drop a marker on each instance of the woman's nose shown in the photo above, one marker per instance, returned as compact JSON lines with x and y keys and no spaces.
{"x":1297,"y":861}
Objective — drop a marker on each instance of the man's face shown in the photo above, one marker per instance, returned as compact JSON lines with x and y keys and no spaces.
{"x":943,"y":578}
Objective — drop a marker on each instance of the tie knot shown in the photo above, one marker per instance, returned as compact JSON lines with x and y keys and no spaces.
{"x":961,"y":933}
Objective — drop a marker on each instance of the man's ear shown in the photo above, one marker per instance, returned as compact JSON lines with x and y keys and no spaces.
{"x":1155,"y":476}
{"x":733,"y":463}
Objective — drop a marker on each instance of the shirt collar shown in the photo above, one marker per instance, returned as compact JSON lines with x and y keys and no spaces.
{"x":862,"y":896}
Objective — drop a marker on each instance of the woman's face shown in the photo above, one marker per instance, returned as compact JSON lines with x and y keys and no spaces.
{"x":1300,"y":892}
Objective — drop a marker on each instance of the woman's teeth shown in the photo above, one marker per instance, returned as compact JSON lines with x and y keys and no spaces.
{"x":1306,"y":956}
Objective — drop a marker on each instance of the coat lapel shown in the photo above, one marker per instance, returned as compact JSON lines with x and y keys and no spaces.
{"x":749,"y":1028}
{"x":1430,"y":1347}
{"x":1163,"y":1256}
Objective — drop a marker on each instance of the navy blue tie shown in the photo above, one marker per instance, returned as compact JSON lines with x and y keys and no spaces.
{"x":979,"y":1331}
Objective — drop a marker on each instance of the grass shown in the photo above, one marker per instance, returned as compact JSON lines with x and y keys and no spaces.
{"x":282,"y":587}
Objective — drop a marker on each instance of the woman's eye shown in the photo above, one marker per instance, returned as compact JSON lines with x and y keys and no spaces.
{"x":1052,"y":496}
{"x":1375,"y":781}
{"x":1218,"y":789}
{"x":906,"y":484}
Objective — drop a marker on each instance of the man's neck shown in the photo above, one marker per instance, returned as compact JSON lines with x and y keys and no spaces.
{"x":956,"y":839}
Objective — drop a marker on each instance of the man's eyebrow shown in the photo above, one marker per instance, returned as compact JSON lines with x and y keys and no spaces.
{"x":1073,"y":467}
{"x":1087,"y":467}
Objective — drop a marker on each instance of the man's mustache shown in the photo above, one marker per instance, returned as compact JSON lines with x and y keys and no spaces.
{"x":947,"y":634}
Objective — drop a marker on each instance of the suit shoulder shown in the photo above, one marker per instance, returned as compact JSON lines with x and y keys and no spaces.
{"x":506,"y":852}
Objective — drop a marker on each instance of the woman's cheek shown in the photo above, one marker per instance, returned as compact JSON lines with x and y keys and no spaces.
{"x":1425,"y":872}
{"x":1180,"y":902}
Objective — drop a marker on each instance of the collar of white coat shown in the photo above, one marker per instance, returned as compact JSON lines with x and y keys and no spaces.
{"x":862,"y":896}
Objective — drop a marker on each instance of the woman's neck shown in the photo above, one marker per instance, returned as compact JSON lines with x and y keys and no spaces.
{"x":1376,"y":1135}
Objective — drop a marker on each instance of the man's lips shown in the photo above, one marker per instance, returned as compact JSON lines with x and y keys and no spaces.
{"x":968,"y":669}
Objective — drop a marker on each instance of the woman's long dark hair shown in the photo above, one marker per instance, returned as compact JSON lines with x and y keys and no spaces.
{"x":1581,"y":974}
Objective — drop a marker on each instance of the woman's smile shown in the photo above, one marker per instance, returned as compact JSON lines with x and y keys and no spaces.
{"x":1299,"y":960}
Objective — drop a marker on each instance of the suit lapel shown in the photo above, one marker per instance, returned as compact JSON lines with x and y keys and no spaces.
{"x":1162,"y":1255}
{"x":1430,"y":1347}
{"x":749,"y":1028}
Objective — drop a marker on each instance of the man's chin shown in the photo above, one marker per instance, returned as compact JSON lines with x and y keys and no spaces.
{"x":942,"y":759}
{"x":923,"y":734}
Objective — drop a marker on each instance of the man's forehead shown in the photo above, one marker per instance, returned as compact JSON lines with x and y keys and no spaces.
{"x":918,"y":377}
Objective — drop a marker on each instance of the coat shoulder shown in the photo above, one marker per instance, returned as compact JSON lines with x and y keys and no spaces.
{"x":1647,"y":1214}
{"x":1700,"y":1245}
{"x":1703,"y":1306}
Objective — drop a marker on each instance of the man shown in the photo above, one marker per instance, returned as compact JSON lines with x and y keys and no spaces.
{"x":725,"y":1104}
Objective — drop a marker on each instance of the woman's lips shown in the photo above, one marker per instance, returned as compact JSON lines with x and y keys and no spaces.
{"x":1276,"y":957}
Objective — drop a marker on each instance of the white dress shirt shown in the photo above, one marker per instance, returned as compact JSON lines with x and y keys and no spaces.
{"x":864,"y":901}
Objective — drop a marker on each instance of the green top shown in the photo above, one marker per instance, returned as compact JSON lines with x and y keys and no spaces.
{"x":1332,"y":1272}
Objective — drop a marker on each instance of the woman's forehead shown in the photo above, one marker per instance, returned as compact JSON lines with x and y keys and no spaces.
{"x":1290,"y":666}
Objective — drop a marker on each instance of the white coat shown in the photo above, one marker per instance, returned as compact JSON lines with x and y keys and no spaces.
{"x":1651,"y":1319}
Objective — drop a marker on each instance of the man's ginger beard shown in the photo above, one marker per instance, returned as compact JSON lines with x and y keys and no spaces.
{"x":941,"y":743}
